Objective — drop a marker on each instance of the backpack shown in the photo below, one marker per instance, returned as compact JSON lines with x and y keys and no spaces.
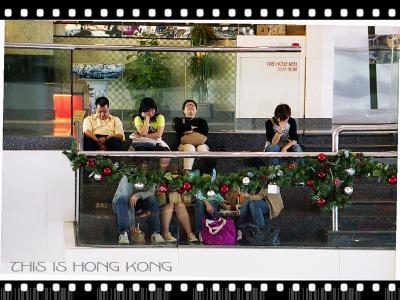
{"x":267,"y":236}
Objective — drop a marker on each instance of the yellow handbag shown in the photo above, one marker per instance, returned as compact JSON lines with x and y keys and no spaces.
{"x":194,"y":138}
{"x":275,"y":204}
{"x":164,"y":198}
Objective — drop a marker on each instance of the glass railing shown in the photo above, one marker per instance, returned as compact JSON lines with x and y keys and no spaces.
{"x":38,"y":94}
{"x":54,"y":81}
{"x":365,"y":78}
{"x":169,"y":78}
{"x":366,"y":75}
{"x":180,"y":203}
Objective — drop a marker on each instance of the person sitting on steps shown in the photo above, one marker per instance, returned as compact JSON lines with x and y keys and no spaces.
{"x":171,"y":202}
{"x":186,"y":126}
{"x":125,"y":202}
{"x":281,"y":131}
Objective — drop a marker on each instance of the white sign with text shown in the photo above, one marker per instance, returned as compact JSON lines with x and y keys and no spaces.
{"x":265,"y":80}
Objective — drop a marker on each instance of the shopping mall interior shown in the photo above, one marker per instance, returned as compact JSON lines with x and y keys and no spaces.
{"x":340,"y":81}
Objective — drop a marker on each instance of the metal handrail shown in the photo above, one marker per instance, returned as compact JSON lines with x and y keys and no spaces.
{"x":335,"y":148}
{"x":224,"y":154}
{"x":152,"y":48}
{"x":360,"y":128}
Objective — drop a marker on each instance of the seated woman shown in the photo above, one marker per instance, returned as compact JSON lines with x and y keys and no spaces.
{"x":191,"y":132}
{"x":281,"y":131}
{"x":150,"y":124}
{"x":207,"y":206}
{"x":172,"y":202}
{"x":258,"y":209}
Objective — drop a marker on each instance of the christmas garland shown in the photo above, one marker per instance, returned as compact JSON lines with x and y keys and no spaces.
{"x":330,"y":177}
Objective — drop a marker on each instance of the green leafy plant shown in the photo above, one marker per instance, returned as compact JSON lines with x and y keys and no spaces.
{"x":201,"y":66}
{"x":146,"y":73}
{"x":331,"y":178}
{"x":202,"y":35}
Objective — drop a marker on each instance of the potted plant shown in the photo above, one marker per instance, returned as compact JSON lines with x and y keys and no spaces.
{"x":201,"y":66}
{"x":146,"y":73}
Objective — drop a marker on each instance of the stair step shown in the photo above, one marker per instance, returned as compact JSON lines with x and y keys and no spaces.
{"x":362,"y":239}
{"x":370,"y":208}
{"x":295,"y":229}
{"x":367,"y":223}
{"x":295,"y":198}
{"x":95,"y":229}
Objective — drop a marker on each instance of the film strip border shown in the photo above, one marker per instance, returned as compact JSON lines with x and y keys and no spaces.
{"x":200,"y":13}
{"x":199,"y":290}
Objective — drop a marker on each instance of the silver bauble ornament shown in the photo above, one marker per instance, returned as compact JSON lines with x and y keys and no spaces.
{"x":210,"y":193}
{"x":348,"y":190}
{"x":139,"y":185}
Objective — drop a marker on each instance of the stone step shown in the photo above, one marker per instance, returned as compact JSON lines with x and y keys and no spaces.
{"x":295,"y":228}
{"x":367,"y":223}
{"x":353,"y":239}
{"x":38,"y":137}
{"x":370,"y":208}
{"x":303,"y":227}
{"x":98,"y":195}
{"x":255,"y":141}
{"x":102,"y":229}
{"x":306,"y":223}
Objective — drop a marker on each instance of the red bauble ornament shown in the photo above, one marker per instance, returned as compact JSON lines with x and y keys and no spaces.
{"x":310,"y":182}
{"x":264,"y":178}
{"x":337,"y":182}
{"x":186,"y":186}
{"x":224,"y":188}
{"x":180,"y":191}
{"x":163,"y":188}
{"x":321,"y":174}
{"x":291,"y":165}
{"x":321,"y":157}
{"x":391,"y":179}
{"x":321,"y":201}
{"x":107,"y":171}
{"x":90,"y":162}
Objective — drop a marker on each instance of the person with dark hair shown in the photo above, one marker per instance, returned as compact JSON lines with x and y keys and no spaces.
{"x":149,"y":123}
{"x":191,"y":132}
{"x":126,"y":202}
{"x":281,"y":131}
{"x":101,"y":130}
{"x":207,"y":205}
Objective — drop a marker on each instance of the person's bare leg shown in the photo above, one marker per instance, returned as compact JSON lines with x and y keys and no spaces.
{"x":183,"y":217}
{"x":166,"y":216}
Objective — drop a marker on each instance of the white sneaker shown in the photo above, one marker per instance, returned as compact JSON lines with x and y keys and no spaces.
{"x":157,"y":238}
{"x":239,"y":235}
{"x":168,"y":237}
{"x":123,"y":239}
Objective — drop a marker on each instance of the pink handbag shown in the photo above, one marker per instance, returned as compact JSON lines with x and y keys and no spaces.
{"x":218,"y":232}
